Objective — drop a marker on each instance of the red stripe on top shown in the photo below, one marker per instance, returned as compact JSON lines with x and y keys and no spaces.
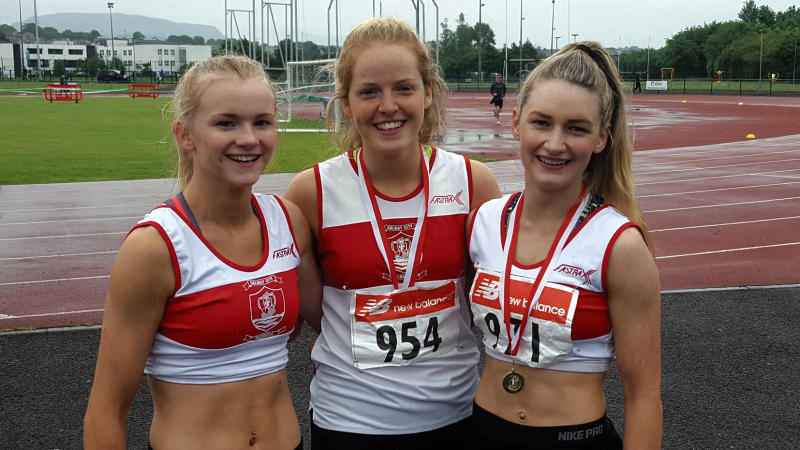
{"x":174,"y":257}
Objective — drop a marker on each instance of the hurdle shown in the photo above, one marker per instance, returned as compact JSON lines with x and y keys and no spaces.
{"x":63,"y":93}
{"x":143,"y":90}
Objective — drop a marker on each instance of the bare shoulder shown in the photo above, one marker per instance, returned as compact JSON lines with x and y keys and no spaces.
{"x":484,"y":184}
{"x":632,"y":268}
{"x":302,"y":191}
{"x":143,"y":266}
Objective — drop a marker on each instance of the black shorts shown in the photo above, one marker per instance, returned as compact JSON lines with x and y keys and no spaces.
{"x":450,"y":436}
{"x":497,"y":101}
{"x":490,"y":431}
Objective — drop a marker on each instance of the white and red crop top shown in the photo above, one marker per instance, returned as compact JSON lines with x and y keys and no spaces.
{"x":225,"y":322}
{"x":569,"y":329}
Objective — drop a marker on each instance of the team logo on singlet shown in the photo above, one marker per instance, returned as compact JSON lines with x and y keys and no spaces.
{"x":286,"y":251}
{"x":400,"y":237}
{"x":267,"y":308}
{"x":446,"y":199}
{"x":576,"y":272}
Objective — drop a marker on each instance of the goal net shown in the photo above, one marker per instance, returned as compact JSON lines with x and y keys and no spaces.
{"x":306,"y":90}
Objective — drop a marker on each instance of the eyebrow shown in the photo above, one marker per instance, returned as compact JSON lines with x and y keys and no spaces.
{"x":547,"y":116}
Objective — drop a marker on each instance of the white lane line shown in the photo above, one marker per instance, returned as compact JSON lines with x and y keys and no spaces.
{"x":65,"y":255}
{"x":722,"y":204}
{"x":62,"y":236}
{"x":72,"y":208}
{"x":61,"y":313}
{"x":736,"y":175}
{"x":688,"y":169}
{"x":55,"y":280}
{"x":745,"y":222}
{"x":729,"y":250}
{"x":704,"y":191}
{"x":70,"y":220}
{"x":684,"y":161}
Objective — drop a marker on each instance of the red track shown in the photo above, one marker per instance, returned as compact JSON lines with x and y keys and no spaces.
{"x":722,"y":210}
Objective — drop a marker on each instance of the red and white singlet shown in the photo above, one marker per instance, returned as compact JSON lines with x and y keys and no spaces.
{"x":225,"y":322}
{"x":391,"y":360}
{"x":569,"y":329}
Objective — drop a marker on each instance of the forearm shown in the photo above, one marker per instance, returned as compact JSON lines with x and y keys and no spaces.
{"x":104,"y":431}
{"x":643,"y":423}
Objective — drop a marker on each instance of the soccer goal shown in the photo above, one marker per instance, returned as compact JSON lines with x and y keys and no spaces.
{"x":307,"y":88}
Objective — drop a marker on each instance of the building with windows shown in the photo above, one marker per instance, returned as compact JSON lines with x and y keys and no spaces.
{"x":159,"y":55}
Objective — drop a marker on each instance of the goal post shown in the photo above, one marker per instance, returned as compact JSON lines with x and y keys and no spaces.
{"x":307,"y":82}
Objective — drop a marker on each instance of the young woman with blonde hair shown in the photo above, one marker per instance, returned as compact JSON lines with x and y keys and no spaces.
{"x":206,"y":289}
{"x":566,"y":281}
{"x":396,"y":363}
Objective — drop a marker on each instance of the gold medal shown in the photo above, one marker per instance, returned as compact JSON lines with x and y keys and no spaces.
{"x":513,"y":382}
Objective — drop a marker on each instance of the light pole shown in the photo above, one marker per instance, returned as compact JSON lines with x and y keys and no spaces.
{"x":574,"y":37}
{"x":480,"y":41}
{"x":794,"y":64}
{"x":557,"y":38}
{"x":111,"y":19}
{"x":552,"y":26}
{"x":760,"y":57}
{"x":520,"y":38}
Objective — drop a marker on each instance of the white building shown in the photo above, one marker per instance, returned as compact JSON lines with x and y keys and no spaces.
{"x":161,"y":56}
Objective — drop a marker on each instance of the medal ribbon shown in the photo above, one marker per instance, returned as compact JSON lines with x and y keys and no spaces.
{"x":378,"y":228}
{"x":509,"y":248}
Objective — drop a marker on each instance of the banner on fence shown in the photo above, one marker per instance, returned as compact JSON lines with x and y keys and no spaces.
{"x":661,"y":85}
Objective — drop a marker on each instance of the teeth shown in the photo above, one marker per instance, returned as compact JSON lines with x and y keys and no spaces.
{"x":243,"y":158}
{"x":553,"y":162}
{"x":389,"y":125}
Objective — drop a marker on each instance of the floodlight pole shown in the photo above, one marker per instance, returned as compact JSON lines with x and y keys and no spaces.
{"x":480,"y":41}
{"x":437,"y":31}
{"x":21,"y":43}
{"x":38,"y":51}
{"x":111,"y":19}
{"x":552,"y":26}
{"x":574,"y":37}
{"x":760,"y":57}
{"x":520,"y":38}
{"x":557,"y":38}
{"x":794,"y":64}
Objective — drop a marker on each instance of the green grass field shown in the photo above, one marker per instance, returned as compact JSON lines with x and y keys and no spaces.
{"x":104,"y":138}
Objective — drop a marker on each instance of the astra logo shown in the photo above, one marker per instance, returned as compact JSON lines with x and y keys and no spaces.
{"x":445,"y":199}
{"x":287,"y":251}
{"x":576,"y":272}
{"x":374,"y":307}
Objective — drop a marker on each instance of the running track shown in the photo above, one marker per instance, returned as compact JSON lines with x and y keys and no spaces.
{"x":722,"y":210}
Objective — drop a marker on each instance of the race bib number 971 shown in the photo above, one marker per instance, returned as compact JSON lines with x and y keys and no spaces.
{"x":547,"y":336}
{"x":404,"y":327}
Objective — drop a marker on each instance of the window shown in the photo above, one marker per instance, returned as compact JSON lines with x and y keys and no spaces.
{"x":159,"y":52}
{"x":55,"y":51}
{"x":32,"y":50}
{"x":172,"y":52}
{"x":74,"y":51}
{"x":102,"y":52}
{"x":172,"y":63}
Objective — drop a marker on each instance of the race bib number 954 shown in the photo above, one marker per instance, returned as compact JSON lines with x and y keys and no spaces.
{"x":404,"y":327}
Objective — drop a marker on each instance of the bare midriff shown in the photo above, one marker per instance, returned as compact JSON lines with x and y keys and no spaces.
{"x":549,"y":398}
{"x":250,"y":414}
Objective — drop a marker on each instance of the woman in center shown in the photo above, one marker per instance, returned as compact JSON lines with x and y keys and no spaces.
{"x":396,"y":362}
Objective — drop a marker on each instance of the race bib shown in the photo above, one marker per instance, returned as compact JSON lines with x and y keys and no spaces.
{"x":404,"y":326}
{"x":547,"y":337}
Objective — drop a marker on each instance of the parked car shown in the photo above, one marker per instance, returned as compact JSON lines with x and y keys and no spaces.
{"x":109,"y":75}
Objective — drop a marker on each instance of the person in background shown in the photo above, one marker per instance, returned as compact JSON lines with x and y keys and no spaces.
{"x":396,"y":362}
{"x":498,"y":91}
{"x":206,"y":289}
{"x":638,"y":83}
{"x":566,"y":280}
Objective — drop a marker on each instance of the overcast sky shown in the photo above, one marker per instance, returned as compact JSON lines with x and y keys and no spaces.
{"x":611,"y":22}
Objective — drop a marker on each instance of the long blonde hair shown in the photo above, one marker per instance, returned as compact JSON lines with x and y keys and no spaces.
{"x":386,"y":31}
{"x":609,"y":173}
{"x":193,"y":84}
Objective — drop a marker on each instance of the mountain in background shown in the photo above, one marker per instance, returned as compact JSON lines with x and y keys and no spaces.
{"x":125,"y":25}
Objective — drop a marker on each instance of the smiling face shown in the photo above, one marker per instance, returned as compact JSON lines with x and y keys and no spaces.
{"x":558,"y":129}
{"x":232,"y":133}
{"x":387,"y":98}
